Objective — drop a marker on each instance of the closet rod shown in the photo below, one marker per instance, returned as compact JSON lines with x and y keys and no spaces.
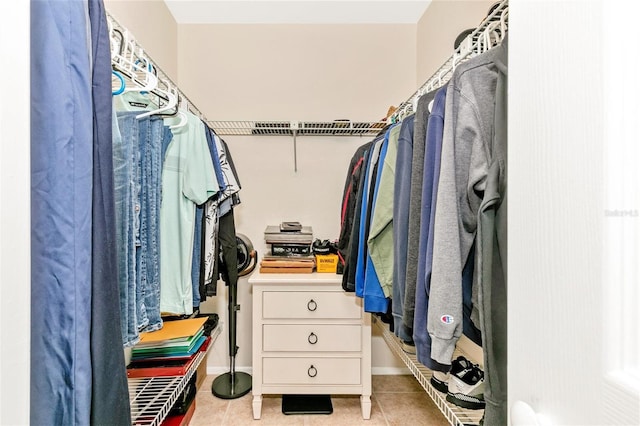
{"x":480,"y":39}
{"x":114,"y":24}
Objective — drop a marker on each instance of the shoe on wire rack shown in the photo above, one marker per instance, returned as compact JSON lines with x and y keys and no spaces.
{"x":409,"y":347}
{"x":466,"y":388}
{"x":439,"y":380}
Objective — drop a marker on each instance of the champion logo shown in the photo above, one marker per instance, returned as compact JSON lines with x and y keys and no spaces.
{"x":447,"y":319}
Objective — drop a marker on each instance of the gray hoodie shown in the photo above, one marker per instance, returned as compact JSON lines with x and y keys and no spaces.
{"x":491,"y":261}
{"x":415,"y":205}
{"x":466,"y":158}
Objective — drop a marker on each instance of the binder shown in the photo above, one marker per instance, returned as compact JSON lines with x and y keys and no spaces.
{"x":160,"y":368}
{"x":165,"y":366}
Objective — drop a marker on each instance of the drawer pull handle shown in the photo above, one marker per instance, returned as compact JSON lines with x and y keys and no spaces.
{"x":313,"y":338}
{"x":312,"y":305}
{"x":312,"y":371}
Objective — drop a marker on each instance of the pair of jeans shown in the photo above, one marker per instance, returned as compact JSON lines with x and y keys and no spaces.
{"x":138,"y":156}
{"x":153,"y":139}
{"x":125,"y":147}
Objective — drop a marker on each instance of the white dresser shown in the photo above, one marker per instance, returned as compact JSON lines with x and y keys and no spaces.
{"x":309,"y":337}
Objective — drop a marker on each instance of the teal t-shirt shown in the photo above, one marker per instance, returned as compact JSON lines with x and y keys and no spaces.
{"x":188,"y":178}
{"x":134,"y":101}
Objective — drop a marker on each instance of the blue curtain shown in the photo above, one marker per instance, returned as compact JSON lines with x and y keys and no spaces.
{"x":69,"y":206}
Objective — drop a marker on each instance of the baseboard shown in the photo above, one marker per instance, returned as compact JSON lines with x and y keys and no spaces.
{"x":389,"y":371}
{"x":215,"y":371}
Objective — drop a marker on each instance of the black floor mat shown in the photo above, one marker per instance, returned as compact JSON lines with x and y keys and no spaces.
{"x":307,"y":404}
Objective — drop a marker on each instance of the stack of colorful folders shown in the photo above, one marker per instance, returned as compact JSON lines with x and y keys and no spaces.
{"x":169,"y":351}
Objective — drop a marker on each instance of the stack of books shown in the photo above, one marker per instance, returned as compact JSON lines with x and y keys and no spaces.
{"x":290,"y":249}
{"x":286,"y":265}
{"x":289,"y":239}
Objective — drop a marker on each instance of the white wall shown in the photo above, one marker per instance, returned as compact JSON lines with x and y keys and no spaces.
{"x":15,"y":265}
{"x":296,"y":72}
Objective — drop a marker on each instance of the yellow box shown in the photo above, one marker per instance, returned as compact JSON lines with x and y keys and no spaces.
{"x":326,"y":263}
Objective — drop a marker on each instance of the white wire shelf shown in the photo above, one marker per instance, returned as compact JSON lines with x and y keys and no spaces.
{"x":297,"y":128}
{"x":457,"y":416}
{"x":152,"y":397}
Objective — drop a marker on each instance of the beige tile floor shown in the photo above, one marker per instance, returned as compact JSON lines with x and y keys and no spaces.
{"x":396,"y":400}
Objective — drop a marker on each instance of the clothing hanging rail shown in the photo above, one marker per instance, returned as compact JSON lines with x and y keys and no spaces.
{"x":297,"y":128}
{"x":488,"y":34}
{"x":123,"y":42}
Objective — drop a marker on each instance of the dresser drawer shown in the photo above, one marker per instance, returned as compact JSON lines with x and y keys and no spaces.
{"x":310,"y":305}
{"x":306,"y":371}
{"x":310,"y":337}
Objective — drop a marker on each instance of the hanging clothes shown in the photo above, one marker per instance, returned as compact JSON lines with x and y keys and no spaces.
{"x":431,"y":172}
{"x":61,"y":203}
{"x":139,"y":148}
{"x":231,"y":195}
{"x":415,"y":203}
{"x":198,"y":273}
{"x":350,"y":196}
{"x":214,"y":210}
{"x":109,"y":387}
{"x":197,"y":281}
{"x":153,"y":139}
{"x":365,"y":215}
{"x":402,"y":185}
{"x":492,"y":256}
{"x":125,"y":242}
{"x":177,"y":180}
{"x":372,"y":291}
{"x":466,"y":157}
{"x":353,"y":245}
{"x":380,"y":240}
{"x":449,"y":225}
{"x":188,"y":178}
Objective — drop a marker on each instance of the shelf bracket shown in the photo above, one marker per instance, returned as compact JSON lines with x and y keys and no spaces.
{"x":294,"y":130}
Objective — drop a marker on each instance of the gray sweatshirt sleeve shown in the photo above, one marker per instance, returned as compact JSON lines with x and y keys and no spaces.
{"x":461,"y":184}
